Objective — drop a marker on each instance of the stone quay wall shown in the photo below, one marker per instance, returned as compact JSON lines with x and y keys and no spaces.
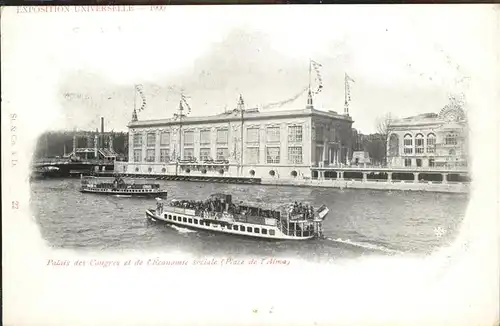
{"x":374,"y":185}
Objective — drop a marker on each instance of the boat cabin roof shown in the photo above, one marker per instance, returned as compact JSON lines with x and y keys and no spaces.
{"x":222,"y":196}
{"x":219,"y":194}
{"x":131,"y":181}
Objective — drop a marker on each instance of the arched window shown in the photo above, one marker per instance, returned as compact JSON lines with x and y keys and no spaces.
{"x":450,"y":139}
{"x":431,"y":143}
{"x":252,"y":172}
{"x":272,"y":173}
{"x":408,"y":144}
{"x":451,"y":152}
{"x":394,"y":145}
{"x":419,"y":144}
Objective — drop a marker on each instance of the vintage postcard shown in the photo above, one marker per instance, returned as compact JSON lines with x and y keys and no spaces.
{"x":250,"y":165}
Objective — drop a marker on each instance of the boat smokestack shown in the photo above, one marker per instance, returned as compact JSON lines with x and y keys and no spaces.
{"x":102,"y":125}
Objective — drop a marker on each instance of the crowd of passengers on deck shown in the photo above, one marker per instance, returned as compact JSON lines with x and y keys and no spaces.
{"x":307,"y":211}
{"x":218,"y":206}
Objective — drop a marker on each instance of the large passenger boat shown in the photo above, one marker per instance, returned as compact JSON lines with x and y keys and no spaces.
{"x":118,"y":186}
{"x":219,"y":214}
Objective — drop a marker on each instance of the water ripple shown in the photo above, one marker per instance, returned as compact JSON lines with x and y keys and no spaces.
{"x":360,"y":221}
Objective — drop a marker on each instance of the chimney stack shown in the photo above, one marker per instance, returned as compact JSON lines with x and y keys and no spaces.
{"x":102,"y":125}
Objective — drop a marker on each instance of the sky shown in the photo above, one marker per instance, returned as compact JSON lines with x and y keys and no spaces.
{"x":405,"y":60}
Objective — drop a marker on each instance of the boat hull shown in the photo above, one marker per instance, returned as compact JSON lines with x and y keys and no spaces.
{"x":278,"y":235}
{"x":126,"y":193}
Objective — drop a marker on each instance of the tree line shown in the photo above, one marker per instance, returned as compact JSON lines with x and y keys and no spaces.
{"x":375,"y":144}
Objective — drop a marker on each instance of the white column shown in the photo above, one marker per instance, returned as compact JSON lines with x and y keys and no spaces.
{"x":262,"y":145}
{"x":157,"y":146}
{"x":131,"y":147}
{"x":325,"y":150}
{"x":144,"y":147}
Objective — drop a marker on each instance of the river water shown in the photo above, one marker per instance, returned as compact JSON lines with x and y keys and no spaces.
{"x":360,"y":222}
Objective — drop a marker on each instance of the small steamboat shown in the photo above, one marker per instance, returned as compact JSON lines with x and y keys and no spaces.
{"x":118,"y":186}
{"x":219,"y":214}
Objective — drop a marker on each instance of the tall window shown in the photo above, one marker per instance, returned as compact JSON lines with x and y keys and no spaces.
{"x":408,"y":162}
{"x":164,"y":155}
{"x":295,"y":134}
{"x":273,"y":155}
{"x":165,"y":138}
{"x":137,"y":155}
{"x":319,"y":133}
{"x":408,"y":144}
{"x":273,"y":134}
{"x":252,"y":155}
{"x":222,"y":153}
{"x":253,"y":136}
{"x":295,"y":155}
{"x":204,"y":154}
{"x":151,"y":139}
{"x":431,"y":143}
{"x":419,"y":162}
{"x":150,"y":155}
{"x":450,"y":139}
{"x":419,"y":144}
{"x":253,"y":142}
{"x":222,"y":136}
{"x":188,"y":138}
{"x":137,"y":140}
{"x":431,"y":162}
{"x":205,"y":137}
{"x":188,"y":153}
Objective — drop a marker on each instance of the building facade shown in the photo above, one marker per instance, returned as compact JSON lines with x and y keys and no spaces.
{"x":240,"y":143}
{"x":429,"y":140}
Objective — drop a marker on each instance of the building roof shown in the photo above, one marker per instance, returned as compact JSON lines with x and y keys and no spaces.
{"x":235,"y":115}
{"x":450,"y":113}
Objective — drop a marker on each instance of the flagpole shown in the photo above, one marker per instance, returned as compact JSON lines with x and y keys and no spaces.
{"x":346,"y":109}
{"x":241,"y":135}
{"x":310,"y":63}
{"x":135,"y":96}
{"x":181,"y":109}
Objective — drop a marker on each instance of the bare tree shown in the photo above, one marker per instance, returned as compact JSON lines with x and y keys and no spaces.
{"x":382,"y":125}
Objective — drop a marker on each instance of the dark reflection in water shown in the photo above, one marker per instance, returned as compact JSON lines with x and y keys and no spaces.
{"x":360,"y":221}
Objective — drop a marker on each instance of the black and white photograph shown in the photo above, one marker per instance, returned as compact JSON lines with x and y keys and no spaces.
{"x":274,"y":164}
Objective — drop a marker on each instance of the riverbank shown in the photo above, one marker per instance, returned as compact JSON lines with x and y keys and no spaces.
{"x":373,"y":185}
{"x":427,"y":186}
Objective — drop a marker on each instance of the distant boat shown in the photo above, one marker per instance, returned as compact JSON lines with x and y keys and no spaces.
{"x":44,"y":172}
{"x":118,"y":186}
{"x":219,"y":214}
